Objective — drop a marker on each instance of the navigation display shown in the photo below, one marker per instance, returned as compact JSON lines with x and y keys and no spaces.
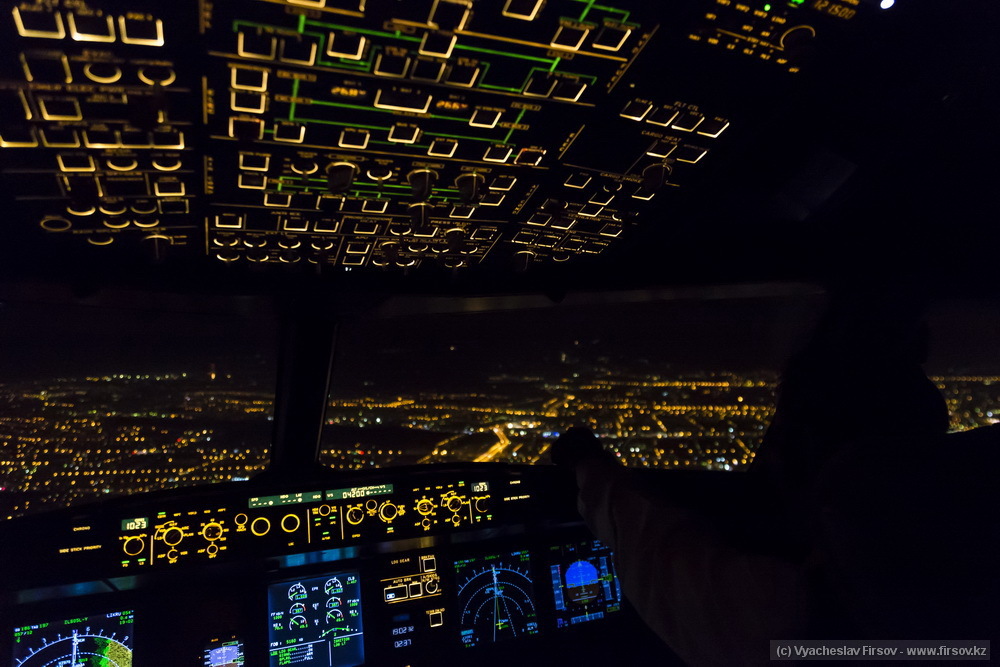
{"x":316,"y":621}
{"x":224,"y":653}
{"x":584,"y":582}
{"x":103,"y":640}
{"x":496,"y":598}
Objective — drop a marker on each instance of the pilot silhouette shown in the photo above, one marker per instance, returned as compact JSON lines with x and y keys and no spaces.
{"x":860,"y":517}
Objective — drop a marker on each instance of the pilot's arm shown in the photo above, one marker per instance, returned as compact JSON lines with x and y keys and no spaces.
{"x":712,"y":603}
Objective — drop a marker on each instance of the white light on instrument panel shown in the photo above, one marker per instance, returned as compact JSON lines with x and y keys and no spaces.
{"x":57,"y":31}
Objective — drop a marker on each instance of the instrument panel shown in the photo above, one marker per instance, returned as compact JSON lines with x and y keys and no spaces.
{"x":369,"y":134}
{"x":444,"y":567}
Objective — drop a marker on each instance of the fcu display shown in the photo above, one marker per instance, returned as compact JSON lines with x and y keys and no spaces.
{"x":89,"y":641}
{"x":346,"y":133}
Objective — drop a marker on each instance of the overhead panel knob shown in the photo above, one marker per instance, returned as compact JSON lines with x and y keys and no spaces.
{"x":470,"y":186}
{"x":655,"y":177}
{"x":340,"y":176}
{"x":422,"y":183}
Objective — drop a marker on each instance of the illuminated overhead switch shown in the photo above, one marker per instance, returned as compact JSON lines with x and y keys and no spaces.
{"x":404,"y":134}
{"x":578,"y":181}
{"x":526,"y":10}
{"x":460,"y":212}
{"x":687,"y":121}
{"x":636,"y":110}
{"x":529,"y":156}
{"x":247,"y":101}
{"x":563,"y":223}
{"x":366,"y":227}
{"x":346,"y":45}
{"x":340,"y":176}
{"x":137,"y":31}
{"x":463,"y":75}
{"x":47,"y":25}
{"x":135,"y":139}
{"x":75,"y":162}
{"x":601,"y":197}
{"x":351,"y":138}
{"x":689,"y":154}
{"x":713,"y":127}
{"x":375,"y":206}
{"x":612,"y":230}
{"x":298,"y":51}
{"x":663,"y":117}
{"x":60,"y":137}
{"x":569,"y":38}
{"x":485,"y":118}
{"x":391,"y":66}
{"x":661,"y":148}
{"x":403,"y":100}
{"x":654,"y":177}
{"x":568,"y":90}
{"x":246,"y":129}
{"x":46,"y":67}
{"x":449,"y":15}
{"x":590,"y":210}
{"x":101,"y":139}
{"x":539,"y":219}
{"x":492,"y":199}
{"x":293,"y":133}
{"x":277,"y":200}
{"x":168,"y":139}
{"x":169,"y":188}
{"x":525,"y":237}
{"x":611,"y":38}
{"x":243,"y":78}
{"x":443,"y":147}
{"x":254,"y":162}
{"x":289,"y":224}
{"x":230,"y":221}
{"x":503,"y":183}
{"x":437,"y":44}
{"x":498,"y":154}
{"x":427,"y":70}
{"x":305,"y":200}
{"x":60,"y":108}
{"x":256,"y":46}
{"x":174,"y":206}
{"x":252,"y":181}
{"x":84,"y":28}
{"x":539,"y":86}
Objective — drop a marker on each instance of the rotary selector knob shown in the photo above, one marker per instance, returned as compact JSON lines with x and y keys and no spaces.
{"x":340,"y":176}
{"x":470,"y":186}
{"x":481,"y":505}
{"x":355,"y":514}
{"x":432,"y":586}
{"x":422,"y":183}
{"x":454,"y":503}
{"x":389,"y":511}
{"x":173,"y":536}
{"x":212,"y":531}
{"x":304,"y":166}
{"x":134,"y":545}
{"x":425,"y":506}
{"x":380,"y":173}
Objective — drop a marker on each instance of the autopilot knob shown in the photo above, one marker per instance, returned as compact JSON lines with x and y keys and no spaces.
{"x":470,"y":186}
{"x":340,"y":176}
{"x":421,"y":183}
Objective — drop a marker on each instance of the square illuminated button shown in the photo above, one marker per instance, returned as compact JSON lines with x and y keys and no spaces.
{"x":663,"y":116}
{"x":76,"y":162}
{"x":492,"y":199}
{"x":529,"y":156}
{"x":435,"y":618}
{"x":485,"y":118}
{"x":168,"y":139}
{"x":540,"y":86}
{"x":462,"y":75}
{"x":140,"y":31}
{"x":569,"y":90}
{"x":174,"y":206}
{"x":391,"y":66}
{"x":689,"y":154}
{"x":578,"y":180}
{"x":404,"y":134}
{"x":611,"y":230}
{"x":101,"y":139}
{"x":253,"y":162}
{"x":601,"y":198}
{"x":461,"y":212}
{"x":46,"y":68}
{"x":611,"y":38}
{"x":247,"y":101}
{"x":43,"y":24}
{"x":357,"y":248}
{"x":246,"y":129}
{"x":230,"y":221}
{"x":661,"y":148}
{"x":278,"y":199}
{"x":170,"y":188}
{"x":569,"y":38}
{"x":636,"y":110}
{"x":498,"y":154}
{"x":136,"y":139}
{"x":427,"y":70}
{"x":503,"y":183}
{"x":526,"y":10}
{"x":591,"y":210}
{"x":83,"y":28}
{"x":563,"y":223}
{"x":713,"y":127}
{"x":437,"y":44}
{"x":256,"y":46}
{"x":293,"y":133}
{"x":54,"y":137}
{"x":539,"y":219}
{"x":687,"y":121}
{"x":443,"y":147}
{"x":298,"y":51}
{"x":365,"y":227}
{"x":375,"y":206}
{"x":252,"y":181}
{"x":353,"y":139}
{"x":60,"y":108}
{"x":347,"y":45}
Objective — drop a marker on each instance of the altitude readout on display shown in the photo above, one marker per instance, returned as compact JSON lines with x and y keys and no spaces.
{"x":90,"y":641}
{"x":496,"y":597}
{"x":584,"y":583}
{"x":316,"y":621}
{"x":224,"y":653}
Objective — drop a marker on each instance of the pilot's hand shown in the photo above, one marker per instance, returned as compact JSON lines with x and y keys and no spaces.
{"x":575,"y":445}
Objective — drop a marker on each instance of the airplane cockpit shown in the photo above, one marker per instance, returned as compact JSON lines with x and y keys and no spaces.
{"x":324,"y":194}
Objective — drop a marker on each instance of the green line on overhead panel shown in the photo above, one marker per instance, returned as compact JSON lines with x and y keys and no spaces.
{"x":555,"y":64}
{"x":516,"y":122}
{"x":461,"y":47}
{"x":340,"y":124}
{"x":295,"y":93}
{"x":461,"y":136}
{"x":590,"y":5}
{"x":302,"y":23}
{"x":362,"y":31}
{"x":489,"y":87}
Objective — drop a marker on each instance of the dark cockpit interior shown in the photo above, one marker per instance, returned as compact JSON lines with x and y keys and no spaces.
{"x":313,"y":164}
